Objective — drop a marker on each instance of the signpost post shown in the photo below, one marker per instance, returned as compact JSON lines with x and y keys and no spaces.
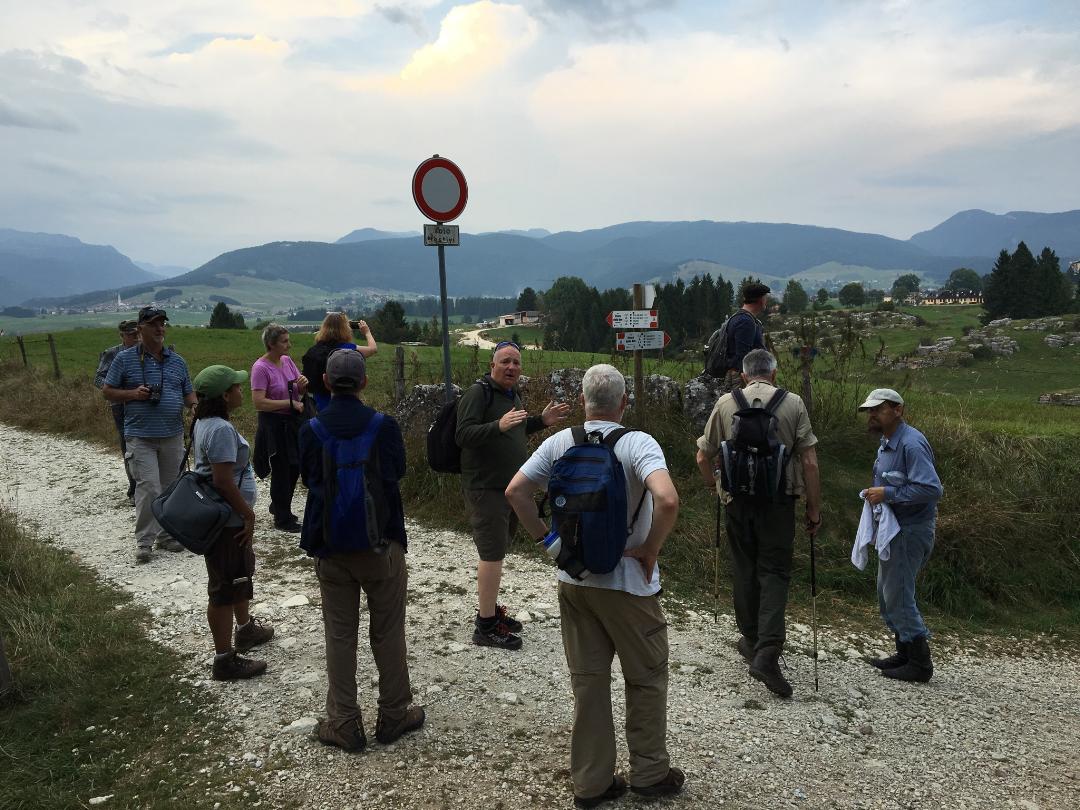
{"x":440,"y":192}
{"x":639,"y":374}
{"x":637,"y":318}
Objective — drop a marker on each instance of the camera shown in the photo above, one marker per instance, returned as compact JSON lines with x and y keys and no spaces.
{"x":155,"y":394}
{"x":354,"y":324}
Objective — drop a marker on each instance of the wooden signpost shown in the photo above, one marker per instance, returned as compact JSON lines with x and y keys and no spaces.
{"x":637,"y":318}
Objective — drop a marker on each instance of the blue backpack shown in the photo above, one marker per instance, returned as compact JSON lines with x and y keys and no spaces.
{"x":587,"y":491}
{"x":354,"y":503}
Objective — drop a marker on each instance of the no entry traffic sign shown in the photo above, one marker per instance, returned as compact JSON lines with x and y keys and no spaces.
{"x":439,"y":189}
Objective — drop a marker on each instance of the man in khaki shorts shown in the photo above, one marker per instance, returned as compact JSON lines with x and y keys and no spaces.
{"x":618,"y":612}
{"x":492,"y":426}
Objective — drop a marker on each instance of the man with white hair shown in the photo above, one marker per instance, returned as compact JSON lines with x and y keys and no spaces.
{"x":761,"y":533}
{"x":618,"y":612}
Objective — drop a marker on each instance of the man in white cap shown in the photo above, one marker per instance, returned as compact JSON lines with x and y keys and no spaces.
{"x":906,"y":479}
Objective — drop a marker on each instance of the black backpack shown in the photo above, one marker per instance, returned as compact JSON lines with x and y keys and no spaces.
{"x":314,"y":365}
{"x":753,"y":460}
{"x":443,"y":452}
{"x":717,"y":356}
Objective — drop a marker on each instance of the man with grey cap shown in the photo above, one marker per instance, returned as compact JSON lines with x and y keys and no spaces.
{"x":129,"y":336}
{"x":906,"y":479}
{"x":349,"y":567}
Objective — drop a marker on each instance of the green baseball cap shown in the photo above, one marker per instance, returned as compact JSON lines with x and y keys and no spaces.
{"x":213,"y":381}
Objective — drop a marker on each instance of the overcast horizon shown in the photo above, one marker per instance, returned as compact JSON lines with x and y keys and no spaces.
{"x":179,"y":130}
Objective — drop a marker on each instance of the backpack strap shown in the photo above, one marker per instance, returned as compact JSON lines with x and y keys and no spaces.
{"x":775,"y":400}
{"x":371,"y":432}
{"x":740,"y":398}
{"x":319,"y":429}
{"x":578,"y":432}
{"x":610,"y":441}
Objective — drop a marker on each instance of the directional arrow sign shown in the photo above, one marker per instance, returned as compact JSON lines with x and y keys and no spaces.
{"x":631,"y":341}
{"x":633,"y":319}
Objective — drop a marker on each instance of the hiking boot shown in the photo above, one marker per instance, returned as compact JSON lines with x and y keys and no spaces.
{"x":766,"y":668}
{"x":897,"y":659}
{"x":143,"y":555}
{"x":919,"y":666}
{"x":388,"y":731}
{"x":236,"y":667}
{"x":290,"y":525}
{"x":746,"y":648}
{"x":169,"y":544}
{"x":668,"y":786}
{"x":349,"y":737}
{"x":251,"y":635}
{"x":512,"y":624}
{"x":617,"y":789}
{"x":497,"y":634}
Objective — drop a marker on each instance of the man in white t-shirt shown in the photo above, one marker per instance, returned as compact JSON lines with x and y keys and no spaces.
{"x":618,"y":612}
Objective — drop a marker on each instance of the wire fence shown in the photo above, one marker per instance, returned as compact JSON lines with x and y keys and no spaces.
{"x":35,"y":352}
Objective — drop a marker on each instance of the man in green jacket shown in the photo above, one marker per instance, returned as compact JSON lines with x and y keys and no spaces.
{"x":492,"y":426}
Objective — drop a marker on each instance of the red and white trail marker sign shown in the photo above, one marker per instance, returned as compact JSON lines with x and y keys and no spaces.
{"x":439,"y":189}
{"x":633,"y":319}
{"x":633,"y":341}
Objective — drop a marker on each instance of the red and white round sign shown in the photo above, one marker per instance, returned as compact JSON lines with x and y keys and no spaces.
{"x":439,"y":189}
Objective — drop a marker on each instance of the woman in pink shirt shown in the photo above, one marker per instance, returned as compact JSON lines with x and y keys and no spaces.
{"x":277,"y":390}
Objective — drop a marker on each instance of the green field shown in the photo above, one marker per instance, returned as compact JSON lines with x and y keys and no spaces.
{"x":527,"y":335}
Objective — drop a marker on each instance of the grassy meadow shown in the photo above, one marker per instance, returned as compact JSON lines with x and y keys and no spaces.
{"x":1003,"y":458}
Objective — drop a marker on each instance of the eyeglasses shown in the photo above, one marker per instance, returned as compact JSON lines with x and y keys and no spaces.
{"x":502,"y":344}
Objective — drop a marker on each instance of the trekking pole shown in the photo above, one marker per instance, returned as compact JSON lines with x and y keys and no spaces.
{"x":813,"y":603}
{"x":716,"y":566}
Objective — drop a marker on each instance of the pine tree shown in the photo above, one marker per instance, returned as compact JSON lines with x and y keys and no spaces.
{"x":795,"y":297}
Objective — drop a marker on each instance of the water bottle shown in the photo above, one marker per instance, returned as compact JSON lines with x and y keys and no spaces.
{"x":551,"y":543}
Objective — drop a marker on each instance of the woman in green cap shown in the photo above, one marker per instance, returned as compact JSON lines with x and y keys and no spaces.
{"x":222,"y":454}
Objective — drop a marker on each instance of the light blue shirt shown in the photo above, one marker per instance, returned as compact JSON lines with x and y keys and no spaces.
{"x":146,"y":420}
{"x":905,"y":467}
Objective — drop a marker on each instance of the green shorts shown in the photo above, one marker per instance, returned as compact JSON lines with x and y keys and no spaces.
{"x":493,"y":522}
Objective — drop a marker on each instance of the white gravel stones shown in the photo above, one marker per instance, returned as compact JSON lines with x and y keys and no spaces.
{"x":991,"y":730}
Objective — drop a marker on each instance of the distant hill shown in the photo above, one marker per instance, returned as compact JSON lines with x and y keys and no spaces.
{"x":369,"y":234}
{"x":503,"y":263}
{"x":40,"y":264}
{"x":980,"y":233}
{"x":161,"y":270}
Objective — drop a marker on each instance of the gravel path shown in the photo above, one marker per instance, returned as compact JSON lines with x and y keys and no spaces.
{"x":991,"y":730}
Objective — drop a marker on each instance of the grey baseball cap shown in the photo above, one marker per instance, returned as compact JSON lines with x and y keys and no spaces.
{"x":879,"y":395}
{"x":346,"y":370}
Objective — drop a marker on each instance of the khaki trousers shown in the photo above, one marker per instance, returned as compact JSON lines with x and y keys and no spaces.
{"x":597,"y":623}
{"x":155,"y":464}
{"x":384,"y":580}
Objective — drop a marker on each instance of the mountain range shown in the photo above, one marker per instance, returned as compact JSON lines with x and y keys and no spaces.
{"x":502,"y":263}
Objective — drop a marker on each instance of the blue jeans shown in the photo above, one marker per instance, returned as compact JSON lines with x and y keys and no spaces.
{"x":908,"y":552}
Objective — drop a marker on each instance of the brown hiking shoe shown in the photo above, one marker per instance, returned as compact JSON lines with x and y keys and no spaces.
{"x":349,"y":737}
{"x":236,"y":667}
{"x":252,"y":634}
{"x":668,"y":786}
{"x":388,"y":731}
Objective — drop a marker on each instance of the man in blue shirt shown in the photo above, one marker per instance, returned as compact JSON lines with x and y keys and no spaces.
{"x":153,"y":384}
{"x":744,"y":333}
{"x":345,"y":576}
{"x":904,"y":478}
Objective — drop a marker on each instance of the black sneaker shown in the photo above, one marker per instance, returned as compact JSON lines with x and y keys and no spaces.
{"x":496,"y":635}
{"x":512,"y":624}
{"x":236,"y":667}
{"x":746,"y":648}
{"x":668,"y":786}
{"x":289,"y":525}
{"x":617,"y":789}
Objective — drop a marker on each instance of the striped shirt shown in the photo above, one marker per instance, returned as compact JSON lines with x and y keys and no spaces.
{"x":142,"y":418}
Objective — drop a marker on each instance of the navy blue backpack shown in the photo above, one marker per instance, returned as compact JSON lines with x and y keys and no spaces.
{"x":354,"y":504}
{"x":587,"y":492}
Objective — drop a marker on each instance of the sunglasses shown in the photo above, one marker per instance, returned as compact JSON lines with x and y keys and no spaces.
{"x":502,"y":344}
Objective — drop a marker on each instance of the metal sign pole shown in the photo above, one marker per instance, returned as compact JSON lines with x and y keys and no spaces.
{"x":445,"y":326}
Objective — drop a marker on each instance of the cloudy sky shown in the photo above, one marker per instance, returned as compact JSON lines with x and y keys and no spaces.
{"x":178,"y":129}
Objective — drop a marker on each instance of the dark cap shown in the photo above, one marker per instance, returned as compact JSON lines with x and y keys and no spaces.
{"x":127,"y":327}
{"x":346,"y":371}
{"x":151,"y":313}
{"x":754,"y":291}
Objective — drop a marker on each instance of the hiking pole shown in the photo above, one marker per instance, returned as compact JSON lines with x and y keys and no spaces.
{"x":716,"y":566}
{"x":813,"y":602}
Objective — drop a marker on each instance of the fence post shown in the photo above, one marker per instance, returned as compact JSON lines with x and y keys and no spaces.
{"x":399,"y":374}
{"x":6,"y":681}
{"x":22,"y":348}
{"x":55,"y":359}
{"x":806,"y":359}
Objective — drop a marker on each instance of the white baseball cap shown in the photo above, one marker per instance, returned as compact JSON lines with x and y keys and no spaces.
{"x":879,"y":395}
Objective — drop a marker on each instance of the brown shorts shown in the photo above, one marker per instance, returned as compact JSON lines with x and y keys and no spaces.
{"x":229,"y":569}
{"x":493,"y":522}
